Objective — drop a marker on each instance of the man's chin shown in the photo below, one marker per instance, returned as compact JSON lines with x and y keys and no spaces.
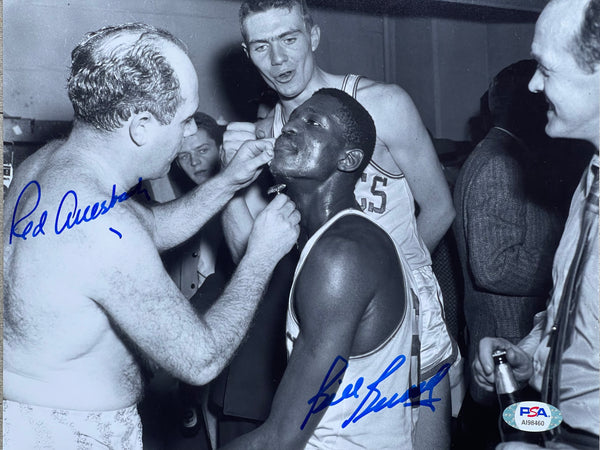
{"x":158,"y":174}
{"x":164,"y":172}
{"x":274,"y":169}
{"x":553,"y":129}
{"x":278,"y":175}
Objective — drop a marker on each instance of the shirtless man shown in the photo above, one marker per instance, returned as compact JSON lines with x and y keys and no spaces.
{"x":85,"y":292}
{"x":280,"y":39}
{"x":350,"y":311}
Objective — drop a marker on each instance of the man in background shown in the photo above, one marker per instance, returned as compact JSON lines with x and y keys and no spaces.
{"x":560,"y":356}
{"x":512,"y":198}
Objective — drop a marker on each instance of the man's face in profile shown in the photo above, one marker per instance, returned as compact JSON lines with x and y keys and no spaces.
{"x":310,"y":144}
{"x":573,"y":93}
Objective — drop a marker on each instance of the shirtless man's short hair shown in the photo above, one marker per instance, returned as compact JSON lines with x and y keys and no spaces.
{"x":85,"y":292}
{"x":108,"y":83}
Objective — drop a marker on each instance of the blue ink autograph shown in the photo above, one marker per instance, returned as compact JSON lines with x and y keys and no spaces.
{"x":67,"y":219}
{"x":411,"y":397}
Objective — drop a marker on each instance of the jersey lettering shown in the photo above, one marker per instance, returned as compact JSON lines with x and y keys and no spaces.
{"x":369,"y":206}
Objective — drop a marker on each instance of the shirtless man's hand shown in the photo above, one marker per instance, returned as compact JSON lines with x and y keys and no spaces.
{"x":178,"y":220}
{"x":252,"y":154}
{"x":236,"y":134}
{"x":275,"y":229}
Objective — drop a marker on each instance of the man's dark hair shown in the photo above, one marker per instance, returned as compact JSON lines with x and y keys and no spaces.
{"x":120,"y":70}
{"x":358,"y":125}
{"x":210,"y":125}
{"x":250,"y":7}
{"x":586,"y":43}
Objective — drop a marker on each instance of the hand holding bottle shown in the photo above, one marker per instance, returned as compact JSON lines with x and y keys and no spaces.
{"x":483,"y":366}
{"x":509,"y":392}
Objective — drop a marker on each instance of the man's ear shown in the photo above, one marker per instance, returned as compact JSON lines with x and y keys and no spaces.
{"x":351,"y":161}
{"x":245,"y":47}
{"x":315,"y":37}
{"x":140,"y":127}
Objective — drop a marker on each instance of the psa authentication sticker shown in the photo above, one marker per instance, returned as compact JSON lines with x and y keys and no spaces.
{"x":532,"y":416}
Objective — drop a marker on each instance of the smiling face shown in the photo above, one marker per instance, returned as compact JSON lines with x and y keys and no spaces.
{"x":573,"y":94}
{"x":199,"y":156}
{"x":311,"y":143}
{"x":281,"y":48}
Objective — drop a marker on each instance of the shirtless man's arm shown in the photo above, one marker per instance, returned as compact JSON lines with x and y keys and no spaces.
{"x":400,"y":127}
{"x":333,"y":291}
{"x":142,"y":301}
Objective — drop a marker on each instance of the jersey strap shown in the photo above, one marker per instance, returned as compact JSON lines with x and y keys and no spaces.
{"x":350,"y":84}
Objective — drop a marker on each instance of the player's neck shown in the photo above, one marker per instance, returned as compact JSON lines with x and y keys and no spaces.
{"x":314,"y":218}
{"x":318,"y":205}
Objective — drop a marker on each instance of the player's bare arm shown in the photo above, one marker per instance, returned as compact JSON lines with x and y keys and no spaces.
{"x":400,"y":128}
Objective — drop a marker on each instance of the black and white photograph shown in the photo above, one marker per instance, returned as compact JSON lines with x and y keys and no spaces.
{"x":301,"y":224}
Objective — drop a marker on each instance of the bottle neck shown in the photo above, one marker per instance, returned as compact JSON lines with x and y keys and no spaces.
{"x":505,"y":380}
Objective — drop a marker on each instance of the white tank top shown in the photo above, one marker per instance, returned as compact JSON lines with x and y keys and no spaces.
{"x":384,"y":196}
{"x":387,"y":429}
